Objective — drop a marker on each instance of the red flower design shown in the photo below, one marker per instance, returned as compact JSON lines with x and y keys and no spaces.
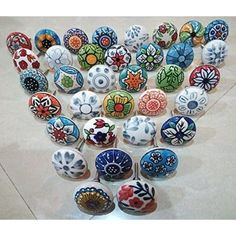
{"x":23,"y":65}
{"x":135,"y":202}
{"x":151,"y":206}
{"x":118,"y":60}
{"x":23,"y":53}
{"x":162,"y":44}
{"x":125,"y":192}
{"x":162,"y":28}
{"x":100,"y":123}
{"x":36,"y":64}
{"x":174,"y":36}
{"x":112,"y":137}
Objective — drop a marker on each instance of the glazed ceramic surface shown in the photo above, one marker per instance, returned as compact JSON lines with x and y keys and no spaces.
{"x":165,"y":35}
{"x":152,"y":102}
{"x":180,"y":54}
{"x":159,"y":162}
{"x":68,"y":79}
{"x":46,"y":38}
{"x":74,"y":39}
{"x":135,"y":37}
{"x":44,"y":105}
{"x":93,"y":197}
{"x":217,"y":29}
{"x":117,"y":57}
{"x":178,"y":130}
{"x":69,"y":163}
{"x":105,"y":37}
{"x":169,"y":78}
{"x":149,"y":56}
{"x":63,"y":130}
{"x":137,"y":196}
{"x":113,"y":163}
{"x":90,"y":55}
{"x":85,"y":105}
{"x":133,"y":78}
{"x":191,"y":101}
{"x":100,"y":132}
{"x":214,"y":52}
{"x":206,"y":77}
{"x":33,"y":81}
{"x":57,"y":56}
{"x":118,"y":104}
{"x":139,"y":130}
{"x":101,"y":79}
{"x":17,"y":40}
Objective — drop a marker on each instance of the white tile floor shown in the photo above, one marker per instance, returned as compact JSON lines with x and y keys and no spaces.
{"x":204,"y":186}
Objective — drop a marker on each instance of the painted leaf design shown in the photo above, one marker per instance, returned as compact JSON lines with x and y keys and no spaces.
{"x":147,"y":198}
{"x":172,"y":125}
{"x":112,"y":127}
{"x":86,"y":131}
{"x":134,"y":128}
{"x":146,"y":129}
{"x":146,"y":187}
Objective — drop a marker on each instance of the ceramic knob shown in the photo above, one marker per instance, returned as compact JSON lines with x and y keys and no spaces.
{"x":101,"y":79}
{"x":57,"y":56}
{"x":118,"y":104}
{"x":104,"y":37}
{"x":206,"y":77}
{"x":165,"y":35}
{"x":214,"y":52}
{"x":93,"y":197}
{"x":191,"y":101}
{"x":74,"y":39}
{"x":139,"y":130}
{"x":159,"y":162}
{"x":63,"y":130}
{"x":117,"y":57}
{"x":85,"y":105}
{"x":69,"y":163}
{"x":44,"y":105}
{"x":152,"y":102}
{"x":68,"y":79}
{"x":24,"y":59}
{"x":100,"y":132}
{"x":33,"y":81}
{"x":169,"y":78}
{"x":133,"y":78}
{"x":192,"y":33}
{"x":149,"y":56}
{"x":178,"y":130}
{"x":17,"y":40}
{"x":113,"y":163}
{"x":135,"y":37}
{"x":90,"y":55}
{"x":46,"y":38}
{"x":217,"y":29}
{"x":180,"y":54}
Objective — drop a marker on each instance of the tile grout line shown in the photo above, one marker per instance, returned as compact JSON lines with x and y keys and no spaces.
{"x":18,"y":191}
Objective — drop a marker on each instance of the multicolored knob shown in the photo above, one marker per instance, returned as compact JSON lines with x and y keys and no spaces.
{"x":44,"y":105}
{"x":104,"y":37}
{"x":139,"y":130}
{"x":33,"y":81}
{"x":101,"y":79}
{"x":191,"y":101}
{"x":74,"y":39}
{"x":85,"y":105}
{"x":165,"y":35}
{"x":159,"y":162}
{"x":63,"y":130}
{"x":217,"y":29}
{"x":152,"y":102}
{"x":149,"y":56}
{"x":214,"y":52}
{"x":57,"y":56}
{"x":113,"y":163}
{"x":46,"y":38}
{"x":178,"y":130}
{"x":17,"y":40}
{"x":69,"y":163}
{"x":169,"y":78}
{"x":100,"y":132}
{"x":90,"y":55}
{"x":192,"y":33}
{"x":206,"y":77}
{"x":117,"y":57}
{"x":135,"y":37}
{"x":180,"y":54}
{"x":118,"y":104}
{"x":68,"y":79}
